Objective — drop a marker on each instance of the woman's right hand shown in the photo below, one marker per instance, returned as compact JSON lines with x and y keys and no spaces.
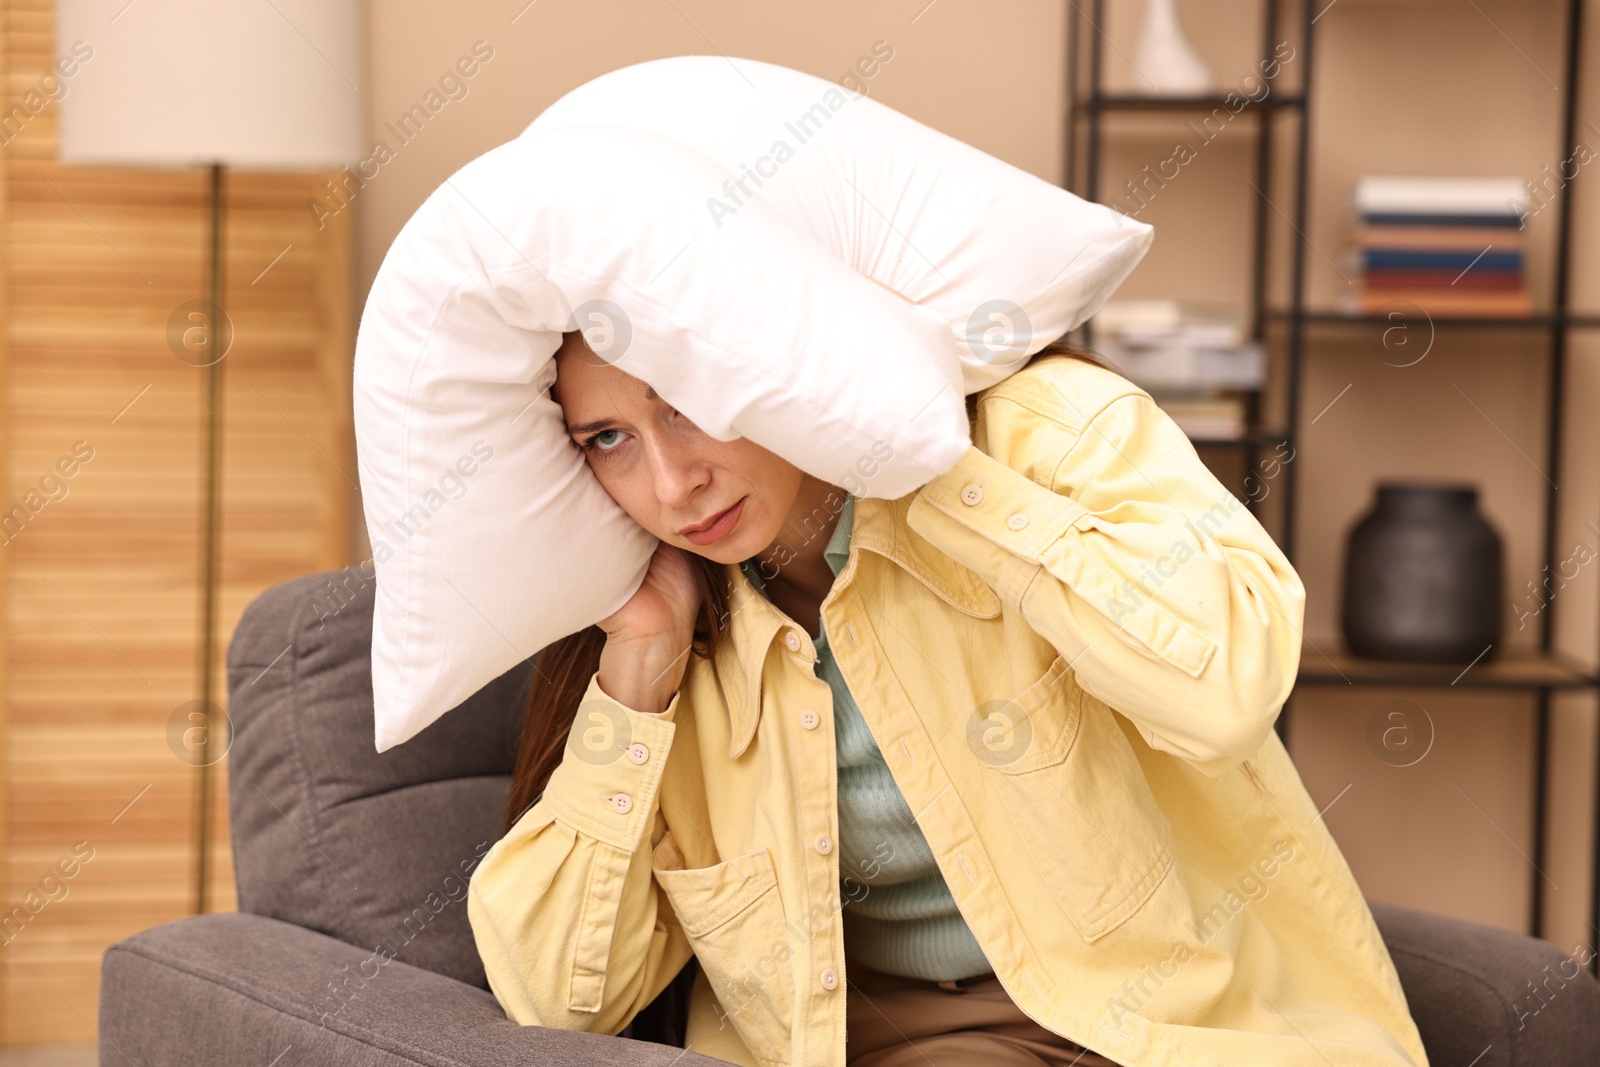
{"x":647,"y":639}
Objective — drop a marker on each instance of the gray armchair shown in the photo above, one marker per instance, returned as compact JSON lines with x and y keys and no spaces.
{"x":351,"y":945}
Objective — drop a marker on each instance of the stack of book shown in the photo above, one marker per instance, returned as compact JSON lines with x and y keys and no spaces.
{"x":1188,"y":357}
{"x":1449,"y":246}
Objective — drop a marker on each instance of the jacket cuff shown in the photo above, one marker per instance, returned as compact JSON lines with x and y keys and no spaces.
{"x":606,"y":784}
{"x":1004,"y":505}
{"x":1030,"y":521}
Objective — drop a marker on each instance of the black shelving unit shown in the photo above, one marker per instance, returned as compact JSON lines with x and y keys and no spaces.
{"x":1541,"y":671}
{"x":1090,"y":108}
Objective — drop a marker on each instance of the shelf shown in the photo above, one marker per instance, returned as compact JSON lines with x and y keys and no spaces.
{"x":1184,"y":104}
{"x":1545,"y":320}
{"x":1511,"y":669}
{"x":1260,"y":439}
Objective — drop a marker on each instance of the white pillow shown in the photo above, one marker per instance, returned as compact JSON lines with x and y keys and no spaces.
{"x":1009,"y":261}
{"x":491,"y":538}
{"x":617,"y":211}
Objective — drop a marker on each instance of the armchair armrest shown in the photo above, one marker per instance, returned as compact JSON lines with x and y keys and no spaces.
{"x":240,"y":988}
{"x":1490,"y":997}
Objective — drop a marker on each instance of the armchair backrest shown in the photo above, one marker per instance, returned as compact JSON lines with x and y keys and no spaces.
{"x":374,"y":849}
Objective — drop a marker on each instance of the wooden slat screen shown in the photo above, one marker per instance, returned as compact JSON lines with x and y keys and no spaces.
{"x":100,"y":588}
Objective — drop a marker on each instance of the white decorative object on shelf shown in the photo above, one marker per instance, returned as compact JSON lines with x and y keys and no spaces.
{"x":1179,"y":347}
{"x":1178,"y":368}
{"x":1164,"y":62}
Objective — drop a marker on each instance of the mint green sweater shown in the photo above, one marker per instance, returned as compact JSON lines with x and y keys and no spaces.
{"x":898,"y":914}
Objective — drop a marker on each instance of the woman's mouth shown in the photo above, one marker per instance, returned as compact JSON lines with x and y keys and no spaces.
{"x":717,"y":527}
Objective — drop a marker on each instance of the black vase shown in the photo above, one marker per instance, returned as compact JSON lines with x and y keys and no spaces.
{"x":1422,"y":579}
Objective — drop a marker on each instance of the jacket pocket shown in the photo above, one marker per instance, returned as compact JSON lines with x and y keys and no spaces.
{"x":1080,"y":802}
{"x":732,"y":914}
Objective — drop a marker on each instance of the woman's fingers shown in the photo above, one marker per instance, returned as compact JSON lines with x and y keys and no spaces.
{"x":644,"y":658}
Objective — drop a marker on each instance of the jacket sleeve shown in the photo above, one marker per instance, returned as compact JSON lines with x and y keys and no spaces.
{"x":1120,"y":548}
{"x":573,"y":929}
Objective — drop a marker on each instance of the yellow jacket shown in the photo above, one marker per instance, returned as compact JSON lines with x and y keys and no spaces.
{"x":1071,"y":649}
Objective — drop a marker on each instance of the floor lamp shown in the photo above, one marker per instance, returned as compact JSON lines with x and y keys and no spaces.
{"x":186,"y":83}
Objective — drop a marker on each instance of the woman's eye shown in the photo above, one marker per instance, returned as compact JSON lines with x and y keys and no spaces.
{"x":592,"y":442}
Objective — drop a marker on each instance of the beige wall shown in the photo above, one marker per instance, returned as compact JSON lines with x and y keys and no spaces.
{"x":987,"y":73}
{"x":1413,"y":87}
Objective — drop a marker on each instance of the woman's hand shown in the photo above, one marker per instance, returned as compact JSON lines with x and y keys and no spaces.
{"x":647,"y":639}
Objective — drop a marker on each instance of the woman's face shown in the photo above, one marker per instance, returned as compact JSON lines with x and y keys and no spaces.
{"x":664,"y":471}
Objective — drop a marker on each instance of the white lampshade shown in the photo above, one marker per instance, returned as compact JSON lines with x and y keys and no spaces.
{"x":244,"y":83}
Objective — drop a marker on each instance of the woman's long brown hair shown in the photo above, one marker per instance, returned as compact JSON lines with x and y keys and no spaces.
{"x":564,"y":667}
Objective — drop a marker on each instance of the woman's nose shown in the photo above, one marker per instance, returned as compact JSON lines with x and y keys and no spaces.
{"x":677,"y":475}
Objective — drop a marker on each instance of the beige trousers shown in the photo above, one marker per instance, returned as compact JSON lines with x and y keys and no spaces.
{"x":910,"y":1022}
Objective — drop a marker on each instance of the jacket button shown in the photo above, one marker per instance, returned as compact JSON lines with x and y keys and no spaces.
{"x":792,"y":639}
{"x":638,"y":753}
{"x":1018,"y":521}
{"x":824,"y":844}
{"x":972,"y":494}
{"x":809,"y":718}
{"x":622,"y":803}
{"x":829,"y":978}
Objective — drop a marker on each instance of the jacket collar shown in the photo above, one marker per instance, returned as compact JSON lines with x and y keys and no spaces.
{"x":754,"y":621}
{"x":882,"y":528}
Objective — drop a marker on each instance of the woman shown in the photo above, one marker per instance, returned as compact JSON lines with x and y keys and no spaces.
{"x":984,"y":774}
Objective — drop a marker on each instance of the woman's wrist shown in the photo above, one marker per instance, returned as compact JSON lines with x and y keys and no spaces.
{"x":643,"y":674}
